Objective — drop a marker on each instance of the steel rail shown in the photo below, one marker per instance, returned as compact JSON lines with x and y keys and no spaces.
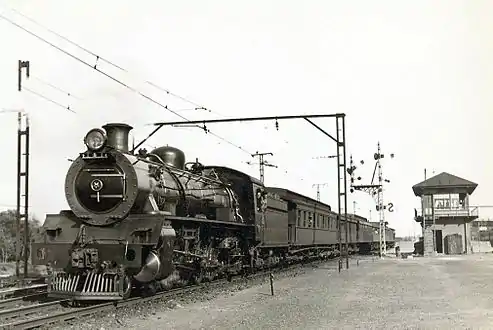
{"x":4,"y":302}
{"x":29,"y":309}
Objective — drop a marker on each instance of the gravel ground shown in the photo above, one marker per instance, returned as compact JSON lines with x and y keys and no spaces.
{"x":421,"y":293}
{"x":432,"y":293}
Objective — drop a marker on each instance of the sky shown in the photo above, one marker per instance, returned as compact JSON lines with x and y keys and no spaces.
{"x":412,"y":75}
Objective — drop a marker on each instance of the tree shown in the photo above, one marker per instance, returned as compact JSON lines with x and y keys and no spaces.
{"x":8,"y":235}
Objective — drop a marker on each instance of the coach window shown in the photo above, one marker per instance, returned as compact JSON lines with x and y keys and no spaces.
{"x":310,"y":219}
{"x":298,"y":220}
{"x":304,"y":219}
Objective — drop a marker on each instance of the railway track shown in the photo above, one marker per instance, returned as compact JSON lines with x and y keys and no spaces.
{"x":56,"y":313}
{"x":33,"y":309}
{"x":43,"y":314}
{"x":20,"y":300}
{"x":72,"y":313}
{"x":18,"y":297}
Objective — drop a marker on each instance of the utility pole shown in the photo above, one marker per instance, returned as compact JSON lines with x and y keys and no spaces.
{"x":20,"y":174}
{"x":376,"y":191}
{"x":318,"y":185}
{"x":263,"y":163}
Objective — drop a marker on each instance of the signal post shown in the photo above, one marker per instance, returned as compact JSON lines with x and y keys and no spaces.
{"x":376,"y":191}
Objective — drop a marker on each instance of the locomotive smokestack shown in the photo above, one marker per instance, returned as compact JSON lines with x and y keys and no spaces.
{"x":118,"y":135}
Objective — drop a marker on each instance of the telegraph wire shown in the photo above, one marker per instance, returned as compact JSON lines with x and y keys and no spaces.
{"x":64,"y":38}
{"x":117,"y":80}
{"x":54,"y":87}
{"x":283,"y":171}
{"x":47,"y":99}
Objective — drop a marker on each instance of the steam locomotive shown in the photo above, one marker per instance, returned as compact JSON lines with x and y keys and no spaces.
{"x":150,"y":220}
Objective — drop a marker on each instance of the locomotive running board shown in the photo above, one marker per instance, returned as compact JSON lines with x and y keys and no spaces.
{"x":91,"y":287}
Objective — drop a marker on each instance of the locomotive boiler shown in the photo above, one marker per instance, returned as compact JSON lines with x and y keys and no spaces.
{"x":119,"y":230}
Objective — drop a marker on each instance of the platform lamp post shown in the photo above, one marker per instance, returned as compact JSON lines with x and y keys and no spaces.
{"x":376,"y":191}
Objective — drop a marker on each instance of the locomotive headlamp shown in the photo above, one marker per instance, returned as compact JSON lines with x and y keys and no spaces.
{"x":95,"y":139}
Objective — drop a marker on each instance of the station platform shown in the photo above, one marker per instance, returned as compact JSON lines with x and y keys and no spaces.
{"x":448,"y":292}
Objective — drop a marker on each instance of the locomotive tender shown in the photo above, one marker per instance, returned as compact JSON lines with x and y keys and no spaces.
{"x":145,"y":220}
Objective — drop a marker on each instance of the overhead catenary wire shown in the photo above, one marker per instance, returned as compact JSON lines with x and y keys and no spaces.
{"x":118,"y":81}
{"x":103,"y":59}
